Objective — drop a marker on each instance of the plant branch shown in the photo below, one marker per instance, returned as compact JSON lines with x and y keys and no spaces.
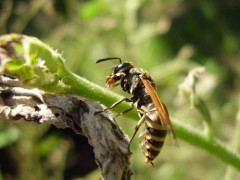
{"x":209,"y":144}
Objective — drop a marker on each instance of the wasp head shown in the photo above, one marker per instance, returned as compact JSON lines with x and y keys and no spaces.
{"x":119,"y":71}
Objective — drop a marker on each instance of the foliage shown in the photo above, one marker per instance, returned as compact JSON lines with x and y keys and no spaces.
{"x":169,"y":39}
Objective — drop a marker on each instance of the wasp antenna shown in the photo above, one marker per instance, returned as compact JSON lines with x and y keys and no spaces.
{"x":109,"y":58}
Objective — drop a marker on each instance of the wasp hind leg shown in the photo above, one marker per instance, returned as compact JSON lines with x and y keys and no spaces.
{"x":136,"y":129}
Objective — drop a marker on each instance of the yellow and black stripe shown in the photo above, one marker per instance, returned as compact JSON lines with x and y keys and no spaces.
{"x":154,"y":139}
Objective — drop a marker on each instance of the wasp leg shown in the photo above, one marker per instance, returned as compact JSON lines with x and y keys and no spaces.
{"x":125,"y":111}
{"x":116,"y":104}
{"x":136,"y":129}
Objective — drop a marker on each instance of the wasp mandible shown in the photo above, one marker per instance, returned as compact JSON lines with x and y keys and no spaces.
{"x":152,"y":111}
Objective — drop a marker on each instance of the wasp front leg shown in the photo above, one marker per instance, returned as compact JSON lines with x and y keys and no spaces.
{"x":125,"y":111}
{"x":116,"y":104}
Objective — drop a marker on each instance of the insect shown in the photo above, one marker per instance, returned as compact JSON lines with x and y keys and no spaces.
{"x":152,"y":111}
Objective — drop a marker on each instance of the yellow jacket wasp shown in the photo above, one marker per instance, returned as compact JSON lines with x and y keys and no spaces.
{"x":151,"y":109}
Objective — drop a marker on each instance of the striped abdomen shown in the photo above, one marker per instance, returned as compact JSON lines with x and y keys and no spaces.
{"x":153,"y":137}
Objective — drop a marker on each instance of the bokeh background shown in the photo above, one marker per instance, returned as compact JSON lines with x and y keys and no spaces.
{"x":168,"y":39}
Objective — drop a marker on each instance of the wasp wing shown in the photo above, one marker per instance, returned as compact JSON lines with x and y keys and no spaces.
{"x":161,"y":108}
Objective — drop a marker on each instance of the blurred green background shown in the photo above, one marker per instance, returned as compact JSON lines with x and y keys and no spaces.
{"x":168,"y":39}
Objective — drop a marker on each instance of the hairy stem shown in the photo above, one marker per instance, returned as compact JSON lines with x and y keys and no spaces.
{"x":209,"y":144}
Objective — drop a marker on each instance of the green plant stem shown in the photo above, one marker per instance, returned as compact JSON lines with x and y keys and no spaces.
{"x":82,"y":87}
{"x":203,"y":141}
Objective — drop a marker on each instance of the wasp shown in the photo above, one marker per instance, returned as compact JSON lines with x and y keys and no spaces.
{"x":152,"y":111}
